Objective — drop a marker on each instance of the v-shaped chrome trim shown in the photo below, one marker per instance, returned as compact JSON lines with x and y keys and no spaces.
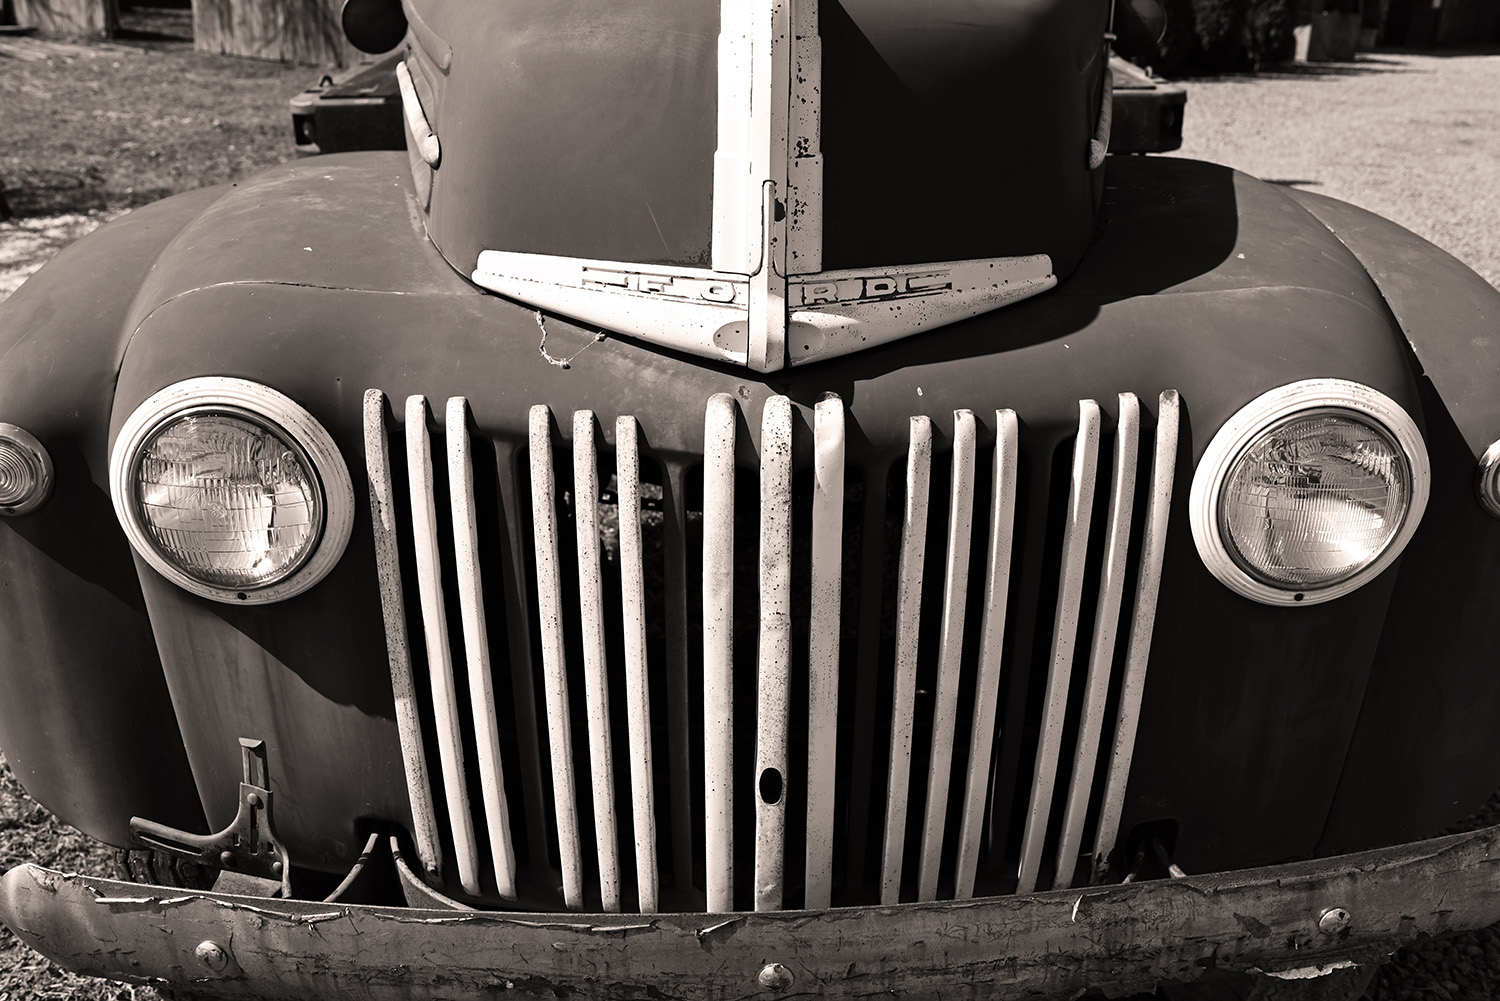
{"x":765,"y":302}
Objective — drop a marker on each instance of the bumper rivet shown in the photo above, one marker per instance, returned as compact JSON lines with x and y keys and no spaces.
{"x":212,"y":955}
{"x":1333,"y":921}
{"x":775,"y":977}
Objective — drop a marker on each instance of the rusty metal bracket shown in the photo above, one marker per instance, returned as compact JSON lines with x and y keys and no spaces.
{"x":248,"y":845}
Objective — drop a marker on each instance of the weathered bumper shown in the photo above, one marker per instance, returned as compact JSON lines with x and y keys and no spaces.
{"x":1275,"y":919}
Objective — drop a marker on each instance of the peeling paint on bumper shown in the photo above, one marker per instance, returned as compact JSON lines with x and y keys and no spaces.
{"x":1120,"y":938}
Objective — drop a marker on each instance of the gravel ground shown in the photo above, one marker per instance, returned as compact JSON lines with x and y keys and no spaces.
{"x":1412,"y":137}
{"x":1415,"y":138}
{"x":28,"y":243}
{"x":29,"y":833}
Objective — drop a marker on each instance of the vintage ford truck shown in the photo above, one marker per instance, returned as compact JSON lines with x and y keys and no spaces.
{"x":753,"y":501}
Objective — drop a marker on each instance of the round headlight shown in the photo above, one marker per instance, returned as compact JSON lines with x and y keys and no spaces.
{"x":231,"y":490}
{"x":25,"y":471}
{"x":1309,"y":492}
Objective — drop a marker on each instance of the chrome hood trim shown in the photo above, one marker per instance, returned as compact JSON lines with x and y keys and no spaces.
{"x":765,"y":302}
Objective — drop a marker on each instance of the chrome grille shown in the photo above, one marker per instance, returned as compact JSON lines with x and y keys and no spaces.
{"x":941,"y":765}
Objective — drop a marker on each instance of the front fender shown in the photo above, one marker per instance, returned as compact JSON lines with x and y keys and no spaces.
{"x":85,"y":718}
{"x":1402,"y":780}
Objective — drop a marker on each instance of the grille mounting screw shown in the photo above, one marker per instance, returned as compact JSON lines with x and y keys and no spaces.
{"x":774,"y":976}
{"x":212,"y":955}
{"x":1333,"y":921}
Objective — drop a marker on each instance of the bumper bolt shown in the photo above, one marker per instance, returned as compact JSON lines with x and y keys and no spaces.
{"x":212,"y":955}
{"x":1333,"y":921}
{"x":774,"y":976}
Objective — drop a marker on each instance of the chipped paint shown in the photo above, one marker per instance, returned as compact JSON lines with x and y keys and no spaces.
{"x":1119,"y":938}
{"x":823,"y":648}
{"x":774,"y":666}
{"x":765,"y":302}
{"x":1311,"y":972}
{"x":908,"y":625}
{"x":595,"y":677}
{"x":476,"y":645}
{"x":991,"y":648}
{"x":1064,"y":636}
{"x":1138,"y":645}
{"x":1102,"y":650}
{"x":718,"y":648}
{"x":435,"y":632}
{"x":554,"y":667}
{"x":950,"y":648}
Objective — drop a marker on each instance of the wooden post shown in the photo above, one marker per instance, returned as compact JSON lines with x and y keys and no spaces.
{"x":69,"y":18}
{"x":298,"y":31}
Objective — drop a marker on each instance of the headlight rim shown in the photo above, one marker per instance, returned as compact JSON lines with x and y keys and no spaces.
{"x":1261,"y":416}
{"x":1487,"y":480}
{"x":259,"y":404}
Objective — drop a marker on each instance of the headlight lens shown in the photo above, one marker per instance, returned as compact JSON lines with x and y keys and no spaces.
{"x":231,"y":490}
{"x":228,"y":500}
{"x":1313,"y":501}
{"x":1309,"y":491}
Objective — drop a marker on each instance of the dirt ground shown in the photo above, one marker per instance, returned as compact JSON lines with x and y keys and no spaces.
{"x":28,"y":833}
{"x":1413,"y":137}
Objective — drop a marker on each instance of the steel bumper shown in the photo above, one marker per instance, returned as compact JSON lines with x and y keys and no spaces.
{"x":1294,"y":921}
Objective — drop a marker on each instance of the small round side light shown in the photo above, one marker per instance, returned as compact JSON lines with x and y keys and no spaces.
{"x":1488,"y":480}
{"x":25,"y":471}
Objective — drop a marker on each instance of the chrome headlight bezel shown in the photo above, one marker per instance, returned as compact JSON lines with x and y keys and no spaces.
{"x":1263,"y":415}
{"x":1487,"y":480}
{"x":277,"y":414}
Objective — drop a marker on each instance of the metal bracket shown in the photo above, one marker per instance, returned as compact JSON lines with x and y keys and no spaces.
{"x":248,"y":845}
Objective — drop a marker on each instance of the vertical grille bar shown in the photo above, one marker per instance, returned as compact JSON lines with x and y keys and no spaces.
{"x":823,"y":647}
{"x":398,"y":653}
{"x":773,"y":671}
{"x":554,"y":671}
{"x":637,"y":683}
{"x":1102,"y":653}
{"x":718,"y":650}
{"x":1138,"y":647}
{"x":1064,"y":635}
{"x":595,"y":678}
{"x":908,"y":621}
{"x":476,"y":645}
{"x":991,"y":649}
{"x":439,"y":653}
{"x":950,"y":649}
